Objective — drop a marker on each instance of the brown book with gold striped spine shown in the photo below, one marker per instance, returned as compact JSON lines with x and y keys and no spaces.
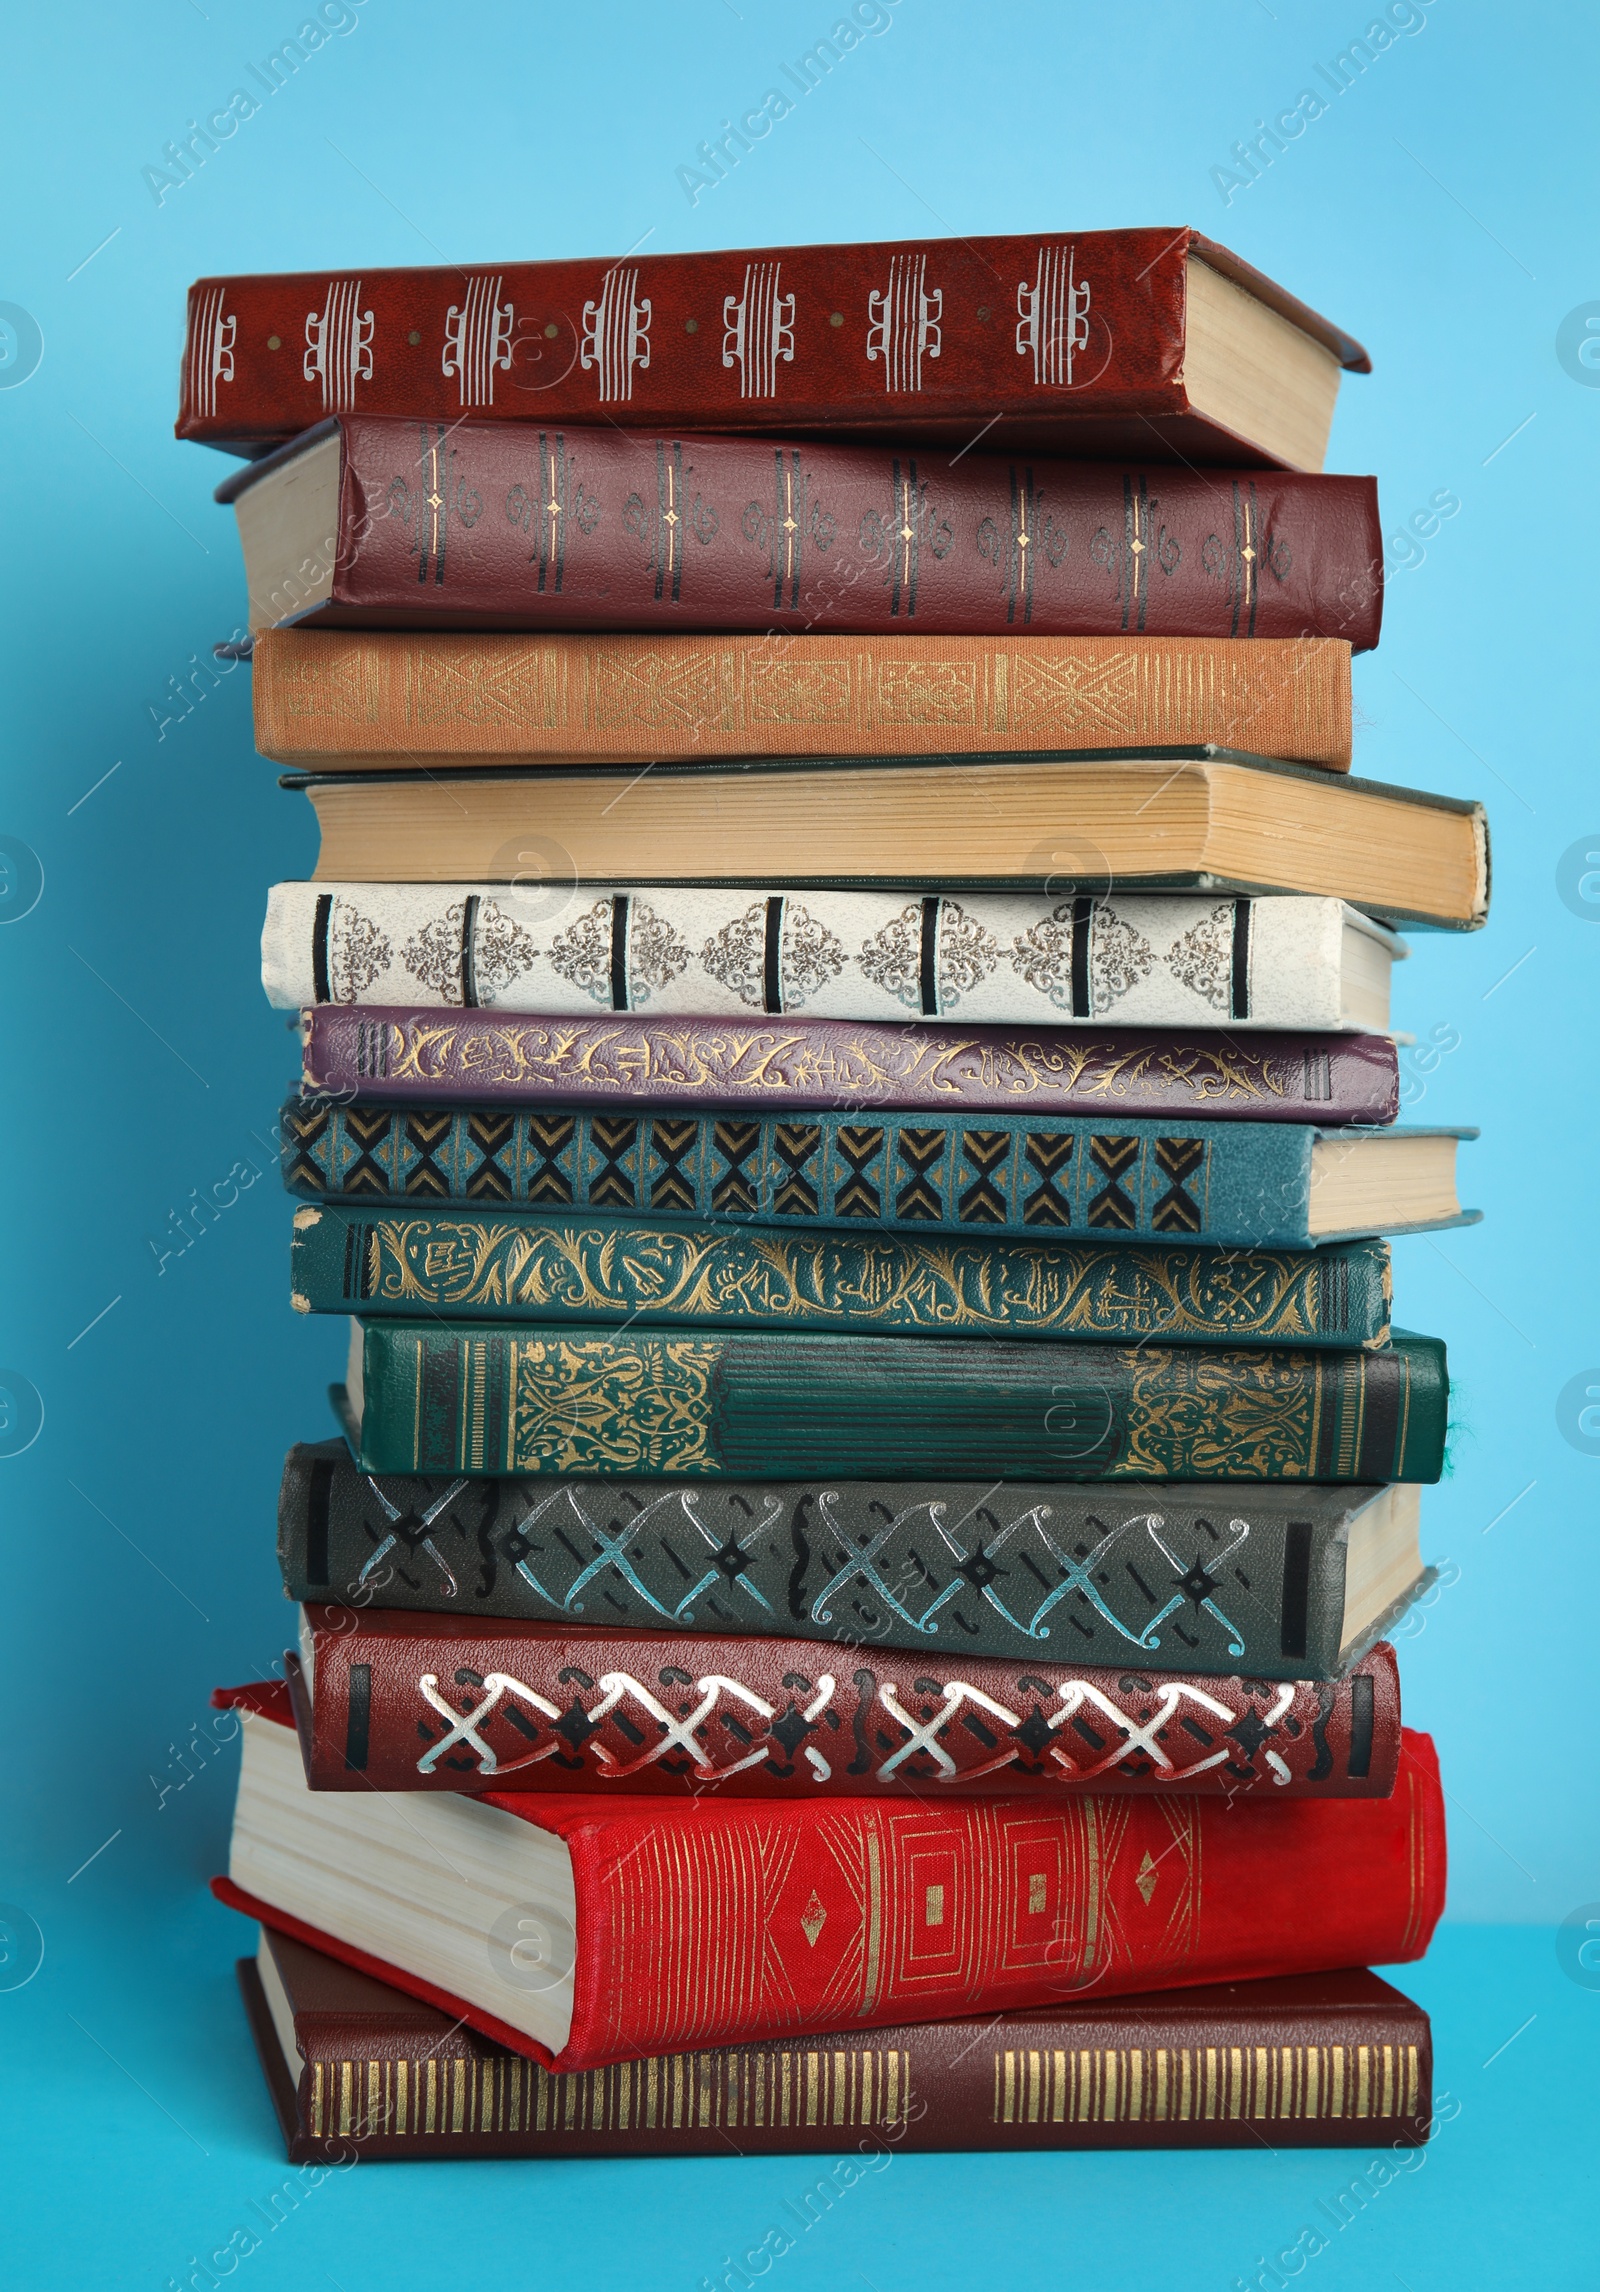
{"x":1333,"y":2060}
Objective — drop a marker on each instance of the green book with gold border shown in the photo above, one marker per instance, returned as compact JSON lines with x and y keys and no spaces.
{"x":534,"y":1399}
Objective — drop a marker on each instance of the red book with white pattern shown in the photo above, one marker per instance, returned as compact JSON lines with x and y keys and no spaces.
{"x":1147,"y":342}
{"x":390,"y":1701}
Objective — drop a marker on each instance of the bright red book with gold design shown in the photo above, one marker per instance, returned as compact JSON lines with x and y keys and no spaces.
{"x":582,"y":1930}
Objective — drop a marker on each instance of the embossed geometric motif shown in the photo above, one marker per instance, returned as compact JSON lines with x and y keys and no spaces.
{"x":985,"y":1153}
{"x":340,"y":681}
{"x":1179,"y":1161}
{"x":425,"y":1133}
{"x":304,"y":1130}
{"x":858,"y":1147}
{"x":928,"y":692}
{"x":550,"y":1138}
{"x":671,"y":1187}
{"x":791,"y":691}
{"x":732,"y":1187}
{"x":677,"y":691}
{"x":506,"y":684}
{"x":1046,"y":1153}
{"x":795,"y":1145}
{"x":610,"y":1186}
{"x":1070,"y":702}
{"x":1110,"y":1205}
{"x":918,"y":1176}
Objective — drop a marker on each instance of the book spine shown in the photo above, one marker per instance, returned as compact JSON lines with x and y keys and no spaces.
{"x":730,"y":1921}
{"x":891,"y":337}
{"x":534,"y":1266}
{"x":955,"y":1569}
{"x":1233,"y":1183}
{"x":328,"y":699}
{"x":548,"y":527}
{"x":1293,"y":2077}
{"x":487,"y":1399}
{"x":583,"y":1710}
{"x":891,"y":1911}
{"x":813,"y":1065}
{"x":1009,"y":960}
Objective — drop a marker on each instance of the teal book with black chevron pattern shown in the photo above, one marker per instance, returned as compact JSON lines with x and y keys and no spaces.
{"x":1252,"y":1185}
{"x":522,"y":1265}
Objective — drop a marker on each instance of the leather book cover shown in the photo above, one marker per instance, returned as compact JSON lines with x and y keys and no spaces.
{"x":342,"y":700}
{"x":395,"y":1702}
{"x":710,"y":951}
{"x":477,"y":524}
{"x":482,"y":1397}
{"x":478,"y":1058}
{"x":719,"y":1921}
{"x":1237,"y":1184}
{"x":1306,"y":2061}
{"x":1075,"y":343}
{"x":534,"y":1265}
{"x":1196,"y":1579}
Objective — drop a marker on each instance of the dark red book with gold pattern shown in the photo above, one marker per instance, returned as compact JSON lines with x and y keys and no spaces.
{"x":1104,"y":342}
{"x":582,"y":1929}
{"x":510,"y":525}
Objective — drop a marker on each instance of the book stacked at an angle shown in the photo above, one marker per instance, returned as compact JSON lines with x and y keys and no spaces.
{"x":848,"y":1093}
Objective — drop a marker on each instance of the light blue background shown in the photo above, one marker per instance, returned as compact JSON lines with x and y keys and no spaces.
{"x":1444,"y":210}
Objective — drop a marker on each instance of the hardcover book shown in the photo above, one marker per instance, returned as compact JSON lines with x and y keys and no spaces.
{"x":527,"y":1265}
{"x":376,"y":700}
{"x":1250,"y":1185}
{"x":1099,"y":342}
{"x":1280,"y":1582}
{"x":373,"y":522}
{"x":354,"y":2065}
{"x":586,"y":1929}
{"x":485,"y":1397}
{"x":706,"y":952}
{"x":804,"y":1066}
{"x":1212,"y":823}
{"x":395,"y":1702}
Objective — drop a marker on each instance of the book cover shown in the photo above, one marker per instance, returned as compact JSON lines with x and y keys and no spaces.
{"x":1247,"y":1185}
{"x":720,"y":1921}
{"x":1081,"y":343}
{"x":530,"y":1265}
{"x":1202,"y":821}
{"x":354,"y":2065}
{"x":393,"y":1702}
{"x":707,"y":951}
{"x":1277,"y":1581}
{"x":816,"y":1065}
{"x":473,"y":523}
{"x":484,"y":1397}
{"x":343,"y":700}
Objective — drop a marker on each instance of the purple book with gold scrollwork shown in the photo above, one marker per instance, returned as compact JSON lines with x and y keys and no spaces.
{"x":471,"y":1056}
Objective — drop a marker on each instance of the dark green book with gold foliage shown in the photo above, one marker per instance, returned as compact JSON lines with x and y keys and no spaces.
{"x":523,"y":1266}
{"x":504,"y":1398}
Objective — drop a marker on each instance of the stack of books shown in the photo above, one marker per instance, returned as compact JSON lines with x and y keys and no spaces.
{"x":848,"y":1093}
